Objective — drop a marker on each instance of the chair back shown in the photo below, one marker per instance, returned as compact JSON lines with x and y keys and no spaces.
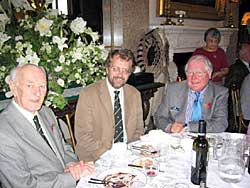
{"x":238,"y":123}
{"x":152,"y":54}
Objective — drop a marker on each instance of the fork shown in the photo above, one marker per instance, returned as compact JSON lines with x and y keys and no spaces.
{"x":113,"y":184}
{"x":144,"y":149}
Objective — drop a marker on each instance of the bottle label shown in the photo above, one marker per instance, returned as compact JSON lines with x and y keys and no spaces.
{"x":194,"y":158}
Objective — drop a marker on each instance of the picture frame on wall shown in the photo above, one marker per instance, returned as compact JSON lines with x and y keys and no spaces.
{"x":196,"y":9}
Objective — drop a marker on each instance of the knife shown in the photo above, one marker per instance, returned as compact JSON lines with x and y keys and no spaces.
{"x":138,"y":166}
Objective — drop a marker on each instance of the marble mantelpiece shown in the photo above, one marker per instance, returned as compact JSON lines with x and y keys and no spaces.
{"x":183,"y":39}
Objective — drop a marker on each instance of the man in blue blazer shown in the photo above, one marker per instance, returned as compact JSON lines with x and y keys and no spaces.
{"x":175,"y":113}
{"x":31,"y":157}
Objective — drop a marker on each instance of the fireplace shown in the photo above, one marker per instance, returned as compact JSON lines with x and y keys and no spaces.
{"x":185,"y":39}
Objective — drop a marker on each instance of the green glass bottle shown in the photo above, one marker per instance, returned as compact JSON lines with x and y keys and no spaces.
{"x":200,"y":156}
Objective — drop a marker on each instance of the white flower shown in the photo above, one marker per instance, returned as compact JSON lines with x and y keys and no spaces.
{"x":46,"y":47}
{"x":19,"y":37}
{"x":43,"y":26}
{"x":33,"y":59}
{"x":3,"y":21}
{"x":60,"y":42}
{"x":94,"y":35}
{"x":77,"y":75}
{"x":21,"y":60}
{"x":66,"y":49}
{"x":78,"y":25}
{"x":62,"y":59}
{"x":60,"y":82}
{"x":58,"y":68}
{"x":77,"y":55}
{"x":4,"y":37}
{"x":7,"y":79}
{"x":21,"y":4}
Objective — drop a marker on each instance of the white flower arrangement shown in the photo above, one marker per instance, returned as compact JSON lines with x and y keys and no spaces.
{"x":67,"y":49}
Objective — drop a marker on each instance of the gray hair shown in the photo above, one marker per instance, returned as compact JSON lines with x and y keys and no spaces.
{"x":124,"y":54}
{"x":212,"y":32}
{"x":204,"y":59}
{"x":14,"y":72}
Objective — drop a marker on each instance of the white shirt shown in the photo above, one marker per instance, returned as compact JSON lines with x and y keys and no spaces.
{"x":247,"y":64}
{"x":29,"y":116}
{"x":121,"y":97}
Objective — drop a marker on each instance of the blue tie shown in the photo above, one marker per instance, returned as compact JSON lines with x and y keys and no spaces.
{"x":197,"y":107}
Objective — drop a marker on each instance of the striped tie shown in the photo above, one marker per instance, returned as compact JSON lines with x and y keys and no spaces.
{"x":40,"y":131}
{"x":118,"y":119}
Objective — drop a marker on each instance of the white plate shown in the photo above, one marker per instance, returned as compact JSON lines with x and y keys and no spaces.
{"x":138,"y":174}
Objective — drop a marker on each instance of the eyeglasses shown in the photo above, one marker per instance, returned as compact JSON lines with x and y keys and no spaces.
{"x":121,"y":70}
{"x":198,"y":73}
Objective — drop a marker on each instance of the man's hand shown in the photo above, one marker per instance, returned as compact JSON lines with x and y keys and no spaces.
{"x":80,"y":169}
{"x":177,"y":127}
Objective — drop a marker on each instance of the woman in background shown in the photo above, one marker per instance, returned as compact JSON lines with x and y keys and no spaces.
{"x":215,"y":54}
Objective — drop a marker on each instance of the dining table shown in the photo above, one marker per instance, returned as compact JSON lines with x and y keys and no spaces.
{"x":171,"y":162}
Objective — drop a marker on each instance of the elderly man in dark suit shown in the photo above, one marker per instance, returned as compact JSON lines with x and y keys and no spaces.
{"x":237,"y":72}
{"x":109,"y":110}
{"x":32,"y":150}
{"x":185,"y":103}
{"x":240,"y":69}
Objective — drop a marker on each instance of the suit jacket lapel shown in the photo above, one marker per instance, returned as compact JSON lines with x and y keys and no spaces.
{"x":106,"y":100}
{"x":127,"y":105}
{"x":207,"y":99}
{"x":47,"y":128}
{"x":183,"y":103}
{"x":28,"y":133}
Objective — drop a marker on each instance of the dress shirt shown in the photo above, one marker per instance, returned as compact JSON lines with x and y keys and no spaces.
{"x":191,"y":98}
{"x":29,"y":116}
{"x":121,"y":97}
{"x":247,"y":64}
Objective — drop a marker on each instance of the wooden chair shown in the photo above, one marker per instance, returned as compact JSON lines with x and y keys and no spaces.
{"x":67,"y":114}
{"x":238,"y":123}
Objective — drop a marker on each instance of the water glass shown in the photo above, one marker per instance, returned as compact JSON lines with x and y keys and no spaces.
{"x":181,"y":185}
{"x":231,"y":169}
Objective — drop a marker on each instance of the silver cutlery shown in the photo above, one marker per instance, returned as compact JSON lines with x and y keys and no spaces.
{"x":144,"y":149}
{"x":110,"y":183}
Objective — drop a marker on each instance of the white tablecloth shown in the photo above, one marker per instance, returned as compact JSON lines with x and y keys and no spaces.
{"x":174,"y":163}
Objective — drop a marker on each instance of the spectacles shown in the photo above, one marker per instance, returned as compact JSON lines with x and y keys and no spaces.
{"x":118,"y":69}
{"x":199,"y":73}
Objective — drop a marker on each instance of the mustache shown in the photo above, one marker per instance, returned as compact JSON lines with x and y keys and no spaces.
{"x":118,"y":77}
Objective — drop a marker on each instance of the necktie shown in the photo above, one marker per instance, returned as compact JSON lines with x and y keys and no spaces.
{"x":39,"y":130}
{"x":118,"y":119}
{"x":197,"y":108}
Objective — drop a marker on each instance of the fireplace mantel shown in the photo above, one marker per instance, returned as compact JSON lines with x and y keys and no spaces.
{"x":183,"y":39}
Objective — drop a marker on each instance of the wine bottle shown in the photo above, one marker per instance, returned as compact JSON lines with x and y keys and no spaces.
{"x":200,"y":156}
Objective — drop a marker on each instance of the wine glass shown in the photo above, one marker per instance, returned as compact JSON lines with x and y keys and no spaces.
{"x":231,"y":169}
